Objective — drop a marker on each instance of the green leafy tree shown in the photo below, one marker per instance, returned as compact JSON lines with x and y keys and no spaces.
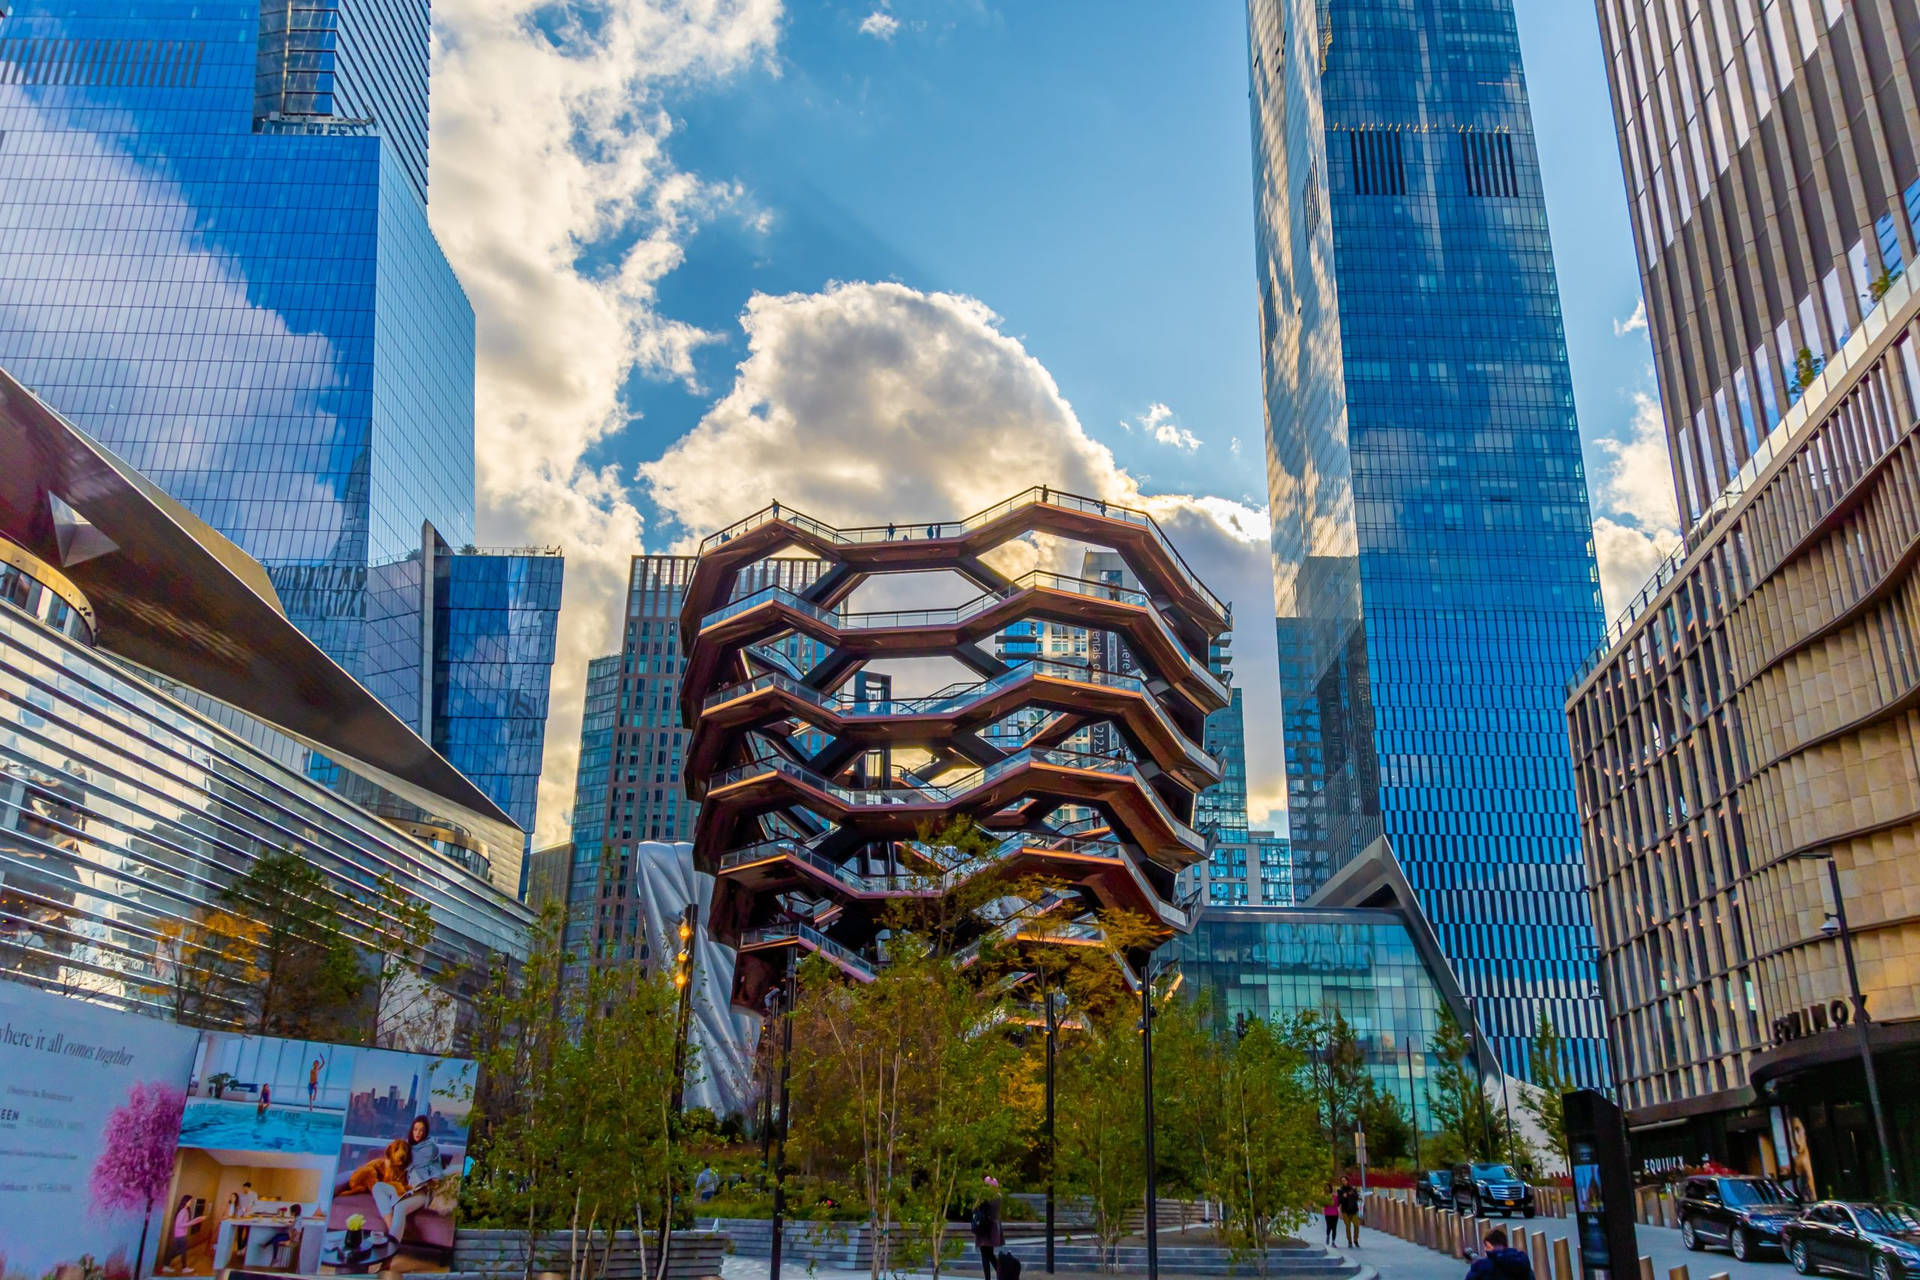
{"x":308,"y":978}
{"x":1545,"y":1101}
{"x":1461,"y":1116}
{"x":1267,"y":1177}
{"x":1097,"y":1091}
{"x":1389,"y":1134}
{"x":1335,"y":1068}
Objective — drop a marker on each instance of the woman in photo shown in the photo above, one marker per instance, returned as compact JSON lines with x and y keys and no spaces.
{"x":181,"y":1226}
{"x":385,"y":1178}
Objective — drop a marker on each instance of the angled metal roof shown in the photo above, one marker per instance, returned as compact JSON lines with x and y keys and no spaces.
{"x":171,"y":594}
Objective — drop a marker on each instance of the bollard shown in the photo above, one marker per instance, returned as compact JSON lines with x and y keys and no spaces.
{"x":1542,"y":1257}
{"x":1562,"y":1260}
{"x":1518,"y":1238}
{"x":1646,"y":1267}
{"x":1677,"y":1273}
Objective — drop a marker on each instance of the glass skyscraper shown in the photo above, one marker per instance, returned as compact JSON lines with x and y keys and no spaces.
{"x":215,"y":257}
{"x":1433,"y":565}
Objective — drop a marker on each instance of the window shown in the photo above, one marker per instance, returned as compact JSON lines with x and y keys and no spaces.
{"x":1379,"y":163}
{"x":1487,"y":159}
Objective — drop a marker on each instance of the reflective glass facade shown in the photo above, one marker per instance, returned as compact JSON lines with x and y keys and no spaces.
{"x":124,"y":810}
{"x":215,"y":258}
{"x":590,"y":799}
{"x":494,"y":616}
{"x":1360,"y":963}
{"x":1434,"y":573}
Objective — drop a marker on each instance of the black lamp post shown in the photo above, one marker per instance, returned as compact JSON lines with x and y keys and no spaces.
{"x":683,"y":981}
{"x":1413,"y":1106}
{"x":1478,"y":1042}
{"x":780,"y":1135}
{"x":1053,"y":1031}
{"x":1837,"y":923}
{"x":1148,"y":975}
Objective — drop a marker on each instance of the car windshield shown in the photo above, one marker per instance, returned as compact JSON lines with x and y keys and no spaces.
{"x":1742,"y":1192}
{"x":1492,"y":1173}
{"x":1442,"y":1178}
{"x":1886,"y":1219}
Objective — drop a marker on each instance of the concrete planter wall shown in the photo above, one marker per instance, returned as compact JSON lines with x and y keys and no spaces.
{"x":493,"y":1254}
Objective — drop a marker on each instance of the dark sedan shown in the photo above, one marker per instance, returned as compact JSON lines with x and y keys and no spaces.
{"x":1434,"y":1187}
{"x":1743,"y":1215}
{"x":1849,"y":1238}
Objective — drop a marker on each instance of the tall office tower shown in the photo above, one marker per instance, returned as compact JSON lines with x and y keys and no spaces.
{"x":1769,"y":153}
{"x":216,"y":260}
{"x":1433,"y":567}
{"x":460,"y":644}
{"x":640,"y":791}
{"x":1744,"y":741}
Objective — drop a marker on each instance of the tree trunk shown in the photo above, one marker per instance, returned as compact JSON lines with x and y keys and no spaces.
{"x":140,"y":1258}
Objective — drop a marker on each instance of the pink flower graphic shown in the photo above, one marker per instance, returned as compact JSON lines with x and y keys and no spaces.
{"x":136,"y":1158}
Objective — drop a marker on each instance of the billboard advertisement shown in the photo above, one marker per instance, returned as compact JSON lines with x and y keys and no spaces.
{"x":90,"y":1106}
{"x":307,"y":1158}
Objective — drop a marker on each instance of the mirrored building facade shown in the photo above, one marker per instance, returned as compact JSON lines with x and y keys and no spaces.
{"x":215,"y":257}
{"x":1434,"y":573}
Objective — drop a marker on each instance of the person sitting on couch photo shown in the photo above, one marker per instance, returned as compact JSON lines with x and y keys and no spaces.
{"x":385,"y":1178}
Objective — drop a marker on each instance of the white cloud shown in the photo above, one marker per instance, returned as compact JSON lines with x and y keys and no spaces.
{"x":524,"y":183}
{"x":1638,"y":320}
{"x":1638,"y":488}
{"x":1159,"y":423}
{"x":868,"y":401}
{"x":879,"y":24}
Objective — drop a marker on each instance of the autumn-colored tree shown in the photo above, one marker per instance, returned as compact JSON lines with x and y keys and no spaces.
{"x":135,"y":1164}
{"x":311,"y":977}
{"x":206,"y":968}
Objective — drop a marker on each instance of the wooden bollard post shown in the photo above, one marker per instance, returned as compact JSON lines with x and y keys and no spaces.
{"x":1519,"y":1238}
{"x":1542,"y":1259}
{"x":1677,"y":1273}
{"x":1646,"y":1267}
{"x":1562,"y":1260}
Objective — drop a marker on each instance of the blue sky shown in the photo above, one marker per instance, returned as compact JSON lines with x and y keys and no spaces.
{"x":672,"y":232}
{"x":1084,"y":170}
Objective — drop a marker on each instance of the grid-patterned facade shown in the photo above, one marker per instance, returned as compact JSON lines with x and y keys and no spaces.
{"x":1755,"y":718}
{"x":1246,"y":869}
{"x":1434,"y":573}
{"x":215,"y":257}
{"x":1771,"y":152}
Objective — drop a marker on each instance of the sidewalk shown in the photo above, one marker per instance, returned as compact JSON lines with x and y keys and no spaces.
{"x":1396,"y":1259}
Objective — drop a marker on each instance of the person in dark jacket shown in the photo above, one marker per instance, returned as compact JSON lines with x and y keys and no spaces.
{"x":988,"y":1235}
{"x":1498,"y":1262}
{"x":1349,"y":1198}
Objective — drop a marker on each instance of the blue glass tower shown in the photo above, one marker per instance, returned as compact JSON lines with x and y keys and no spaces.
{"x":1433,"y":563}
{"x":215,"y":258}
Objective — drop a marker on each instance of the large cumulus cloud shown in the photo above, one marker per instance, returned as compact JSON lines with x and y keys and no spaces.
{"x":871,"y":401}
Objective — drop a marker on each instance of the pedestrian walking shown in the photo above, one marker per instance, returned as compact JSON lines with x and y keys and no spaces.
{"x":1499,"y":1262}
{"x":988,"y":1235}
{"x":1332,"y":1212}
{"x":1350,"y":1211}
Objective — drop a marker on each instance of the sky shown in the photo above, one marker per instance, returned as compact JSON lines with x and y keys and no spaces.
{"x":908,"y":257}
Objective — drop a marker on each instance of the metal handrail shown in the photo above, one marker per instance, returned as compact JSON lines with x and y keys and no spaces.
{"x":805,"y":934}
{"x":1035,"y":495}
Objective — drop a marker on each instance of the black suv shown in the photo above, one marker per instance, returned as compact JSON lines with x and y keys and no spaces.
{"x":1741,"y":1214}
{"x":1482,"y":1189}
{"x":1434,"y":1187}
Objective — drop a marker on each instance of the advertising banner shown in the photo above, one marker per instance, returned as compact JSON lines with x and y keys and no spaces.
{"x":300,"y":1157}
{"x":90,"y":1106}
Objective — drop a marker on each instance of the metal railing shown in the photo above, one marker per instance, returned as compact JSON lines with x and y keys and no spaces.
{"x":806,"y":936}
{"x":937,"y":530}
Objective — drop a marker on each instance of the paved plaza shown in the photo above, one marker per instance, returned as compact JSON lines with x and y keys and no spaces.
{"x":1395,"y":1259}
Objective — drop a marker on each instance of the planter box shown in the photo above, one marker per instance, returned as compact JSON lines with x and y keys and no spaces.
{"x":847,"y":1245}
{"x":493,"y":1254}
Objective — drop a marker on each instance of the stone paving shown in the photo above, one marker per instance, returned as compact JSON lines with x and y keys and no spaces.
{"x":1396,"y":1259}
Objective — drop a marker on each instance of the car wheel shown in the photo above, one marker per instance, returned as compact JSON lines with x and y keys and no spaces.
{"x":1884,"y":1268}
{"x":1802,"y":1261}
{"x":1688,"y":1236}
{"x":1739,"y":1243}
{"x":1530,"y":1212}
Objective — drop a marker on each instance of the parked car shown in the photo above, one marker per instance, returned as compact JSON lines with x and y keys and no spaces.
{"x":1851,"y":1238}
{"x":1744,"y":1215}
{"x":1434,"y":1187}
{"x":1480,"y":1189}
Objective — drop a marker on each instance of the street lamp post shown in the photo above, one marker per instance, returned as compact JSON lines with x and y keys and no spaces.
{"x":1413,"y":1106}
{"x":1052,"y":1031}
{"x":683,"y":981}
{"x":780,"y":1136}
{"x":1860,"y":1020}
{"x":1146,"y":1065}
{"x":1478,"y":1041}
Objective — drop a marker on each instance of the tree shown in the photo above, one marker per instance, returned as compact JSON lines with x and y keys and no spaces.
{"x":1097,"y":1109}
{"x":310,"y":976}
{"x":1267,"y":1180}
{"x":1335,"y":1068}
{"x":412,"y":1011}
{"x":1389,"y":1134}
{"x":205,"y":968}
{"x":573,"y":1122}
{"x":1459,"y":1106}
{"x":1544,"y":1101}
{"x":135,"y":1164}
